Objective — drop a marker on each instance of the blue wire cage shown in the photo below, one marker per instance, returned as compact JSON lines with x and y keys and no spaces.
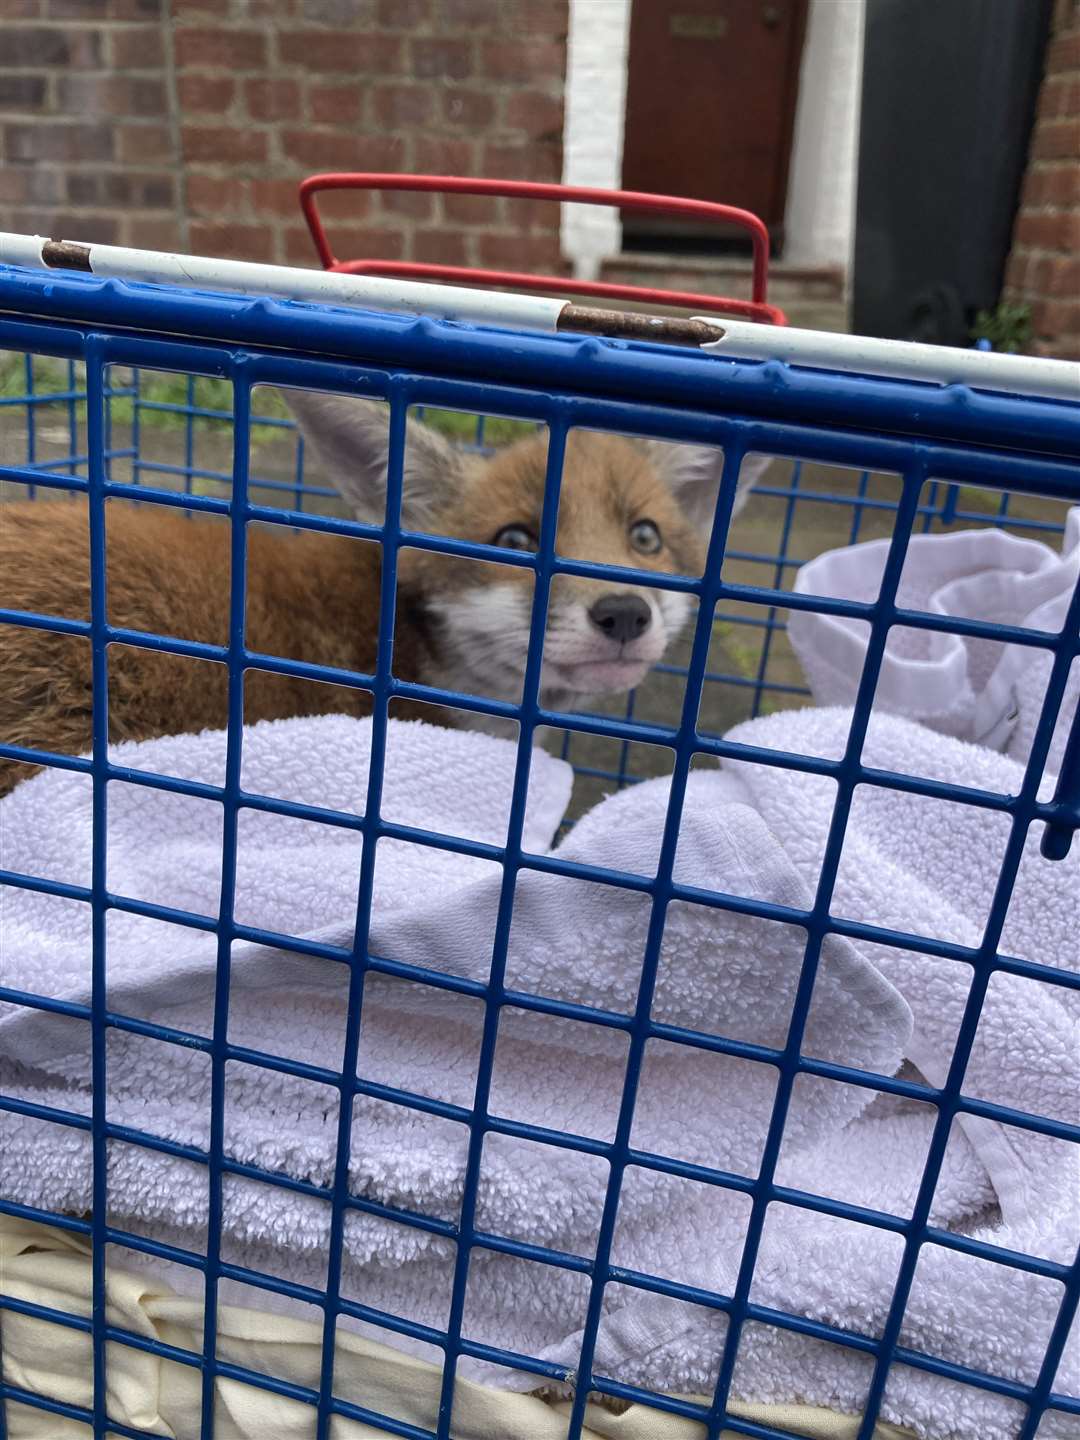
{"x":128,"y":392}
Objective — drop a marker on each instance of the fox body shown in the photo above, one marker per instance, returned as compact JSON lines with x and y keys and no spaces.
{"x":460,"y":623}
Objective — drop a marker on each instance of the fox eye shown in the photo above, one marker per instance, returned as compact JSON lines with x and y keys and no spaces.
{"x":645,"y":537}
{"x":515,"y":537}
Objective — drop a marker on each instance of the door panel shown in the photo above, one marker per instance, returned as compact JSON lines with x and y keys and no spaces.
{"x":711,"y":103}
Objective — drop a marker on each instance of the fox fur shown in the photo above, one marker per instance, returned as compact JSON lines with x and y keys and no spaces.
{"x":460,"y":623}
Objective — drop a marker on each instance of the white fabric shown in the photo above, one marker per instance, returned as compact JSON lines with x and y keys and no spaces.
{"x":44,"y":1265}
{"x":719,"y":972}
{"x":974,"y":689}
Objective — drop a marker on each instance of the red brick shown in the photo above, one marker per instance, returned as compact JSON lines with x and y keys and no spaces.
{"x":523,"y":162}
{"x":341,"y":50}
{"x":1044,"y":317}
{"x":14,"y":184}
{"x":243,"y":242}
{"x":535,"y":112}
{"x":143,"y":144}
{"x":365,"y":242}
{"x":124,"y":188}
{"x":223,"y":145}
{"x":149,"y":233}
{"x":323,"y":150}
{"x":296,"y":247}
{"x":22,"y":9}
{"x":215,"y":195}
{"x":104,"y":9}
{"x":414,"y":203}
{"x":525,"y":60}
{"x":470,"y":14}
{"x":535,"y":17}
{"x":1033,"y":191}
{"x":33,"y":184}
{"x":1070,"y":240}
{"x":1052,"y":97}
{"x":518,"y":252}
{"x":474,"y":108}
{"x":335,"y":104}
{"x":442,"y":59}
{"x":440,"y":247}
{"x":444,"y":156}
{"x":533,"y":215}
{"x":46,"y":185}
{"x":1063,"y":347}
{"x":275,"y":197}
{"x":344,"y":207}
{"x":95,"y":228}
{"x":212,"y":94}
{"x":52,"y":142}
{"x":220,"y":49}
{"x":403,"y":106}
{"x":1057,"y":139}
{"x":33,"y":47}
{"x":1061,"y":184}
{"x":137,"y":47}
{"x":471,"y":209}
{"x":31,"y":222}
{"x":136,"y":9}
{"x":1061,"y":317}
{"x":273,"y":98}
{"x":1016,"y":270}
{"x":408,"y":14}
{"x":22,"y":92}
{"x":1064,"y":278}
{"x":1040,"y":229}
{"x":1064,"y":52}
{"x":331,"y":12}
{"x":1070,"y":104}
{"x":110,"y":94}
{"x":347,"y":245}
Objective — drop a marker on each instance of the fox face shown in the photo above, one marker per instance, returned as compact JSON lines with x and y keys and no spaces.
{"x":641,"y":505}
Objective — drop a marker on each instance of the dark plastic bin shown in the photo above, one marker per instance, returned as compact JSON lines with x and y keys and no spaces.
{"x":949,"y":93}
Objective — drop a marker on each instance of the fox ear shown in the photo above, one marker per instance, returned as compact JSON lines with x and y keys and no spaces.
{"x":351,"y":437}
{"x":693,"y":474}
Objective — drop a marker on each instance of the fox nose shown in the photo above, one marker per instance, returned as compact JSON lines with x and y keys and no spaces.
{"x":621,"y":617}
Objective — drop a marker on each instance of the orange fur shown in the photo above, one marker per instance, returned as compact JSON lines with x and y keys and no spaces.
{"x":309,"y":596}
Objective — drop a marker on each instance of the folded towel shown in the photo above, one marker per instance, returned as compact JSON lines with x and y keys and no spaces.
{"x":719,"y":973}
{"x":974,"y":689}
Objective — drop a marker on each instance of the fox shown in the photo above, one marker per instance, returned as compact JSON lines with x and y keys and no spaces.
{"x":460,"y":624}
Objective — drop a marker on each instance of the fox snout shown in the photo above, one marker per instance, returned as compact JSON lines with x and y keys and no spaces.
{"x":621,"y":618}
{"x":640,"y":505}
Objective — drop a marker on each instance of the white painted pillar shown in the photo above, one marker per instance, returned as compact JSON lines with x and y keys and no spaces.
{"x":820,"y":218}
{"x":596,"y":65}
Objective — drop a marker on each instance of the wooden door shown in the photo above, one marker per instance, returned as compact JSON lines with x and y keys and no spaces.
{"x":710,"y":104}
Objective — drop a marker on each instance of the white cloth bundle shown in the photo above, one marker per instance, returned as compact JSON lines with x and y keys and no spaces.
{"x":747,"y":829}
{"x":973,"y":688}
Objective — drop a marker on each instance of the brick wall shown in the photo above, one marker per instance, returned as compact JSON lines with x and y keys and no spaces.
{"x":1044,"y":266}
{"x":185,"y":124}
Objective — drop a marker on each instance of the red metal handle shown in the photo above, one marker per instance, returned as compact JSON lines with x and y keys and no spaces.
{"x":757,"y":308}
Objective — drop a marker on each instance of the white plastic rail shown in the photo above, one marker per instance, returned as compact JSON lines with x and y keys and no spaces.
{"x":733,"y":339}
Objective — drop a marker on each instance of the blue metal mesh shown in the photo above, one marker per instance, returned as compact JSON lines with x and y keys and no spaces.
{"x":910,"y":458}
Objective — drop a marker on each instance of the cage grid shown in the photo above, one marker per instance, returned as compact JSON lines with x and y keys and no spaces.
{"x":939,"y":441}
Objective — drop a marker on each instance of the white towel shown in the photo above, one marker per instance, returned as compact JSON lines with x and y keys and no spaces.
{"x":974,"y":689}
{"x":719,"y":973}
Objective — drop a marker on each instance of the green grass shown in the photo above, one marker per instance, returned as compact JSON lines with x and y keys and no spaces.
{"x":162,"y":389}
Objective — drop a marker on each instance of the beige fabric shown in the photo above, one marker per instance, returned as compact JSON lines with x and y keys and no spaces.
{"x":51,"y":1267}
